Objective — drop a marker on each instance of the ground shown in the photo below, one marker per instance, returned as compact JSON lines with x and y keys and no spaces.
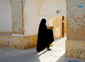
{"x":57,"y":54}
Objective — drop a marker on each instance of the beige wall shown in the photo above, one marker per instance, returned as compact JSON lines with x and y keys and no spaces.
{"x":31,"y":16}
{"x":5,"y":16}
{"x":50,"y":7}
{"x":76,"y":20}
{"x":75,"y":43}
{"x":35,"y":10}
{"x":25,"y":20}
{"x":56,"y":22}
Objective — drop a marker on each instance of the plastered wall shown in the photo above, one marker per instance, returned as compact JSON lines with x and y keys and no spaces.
{"x":76,"y":20}
{"x":17,"y":17}
{"x":5,"y":16}
{"x":34,"y":11}
{"x":18,"y":42}
{"x":25,"y":21}
{"x":75,"y":43}
{"x":75,"y":49}
{"x":50,"y":7}
{"x":57,"y":23}
{"x":31,"y":16}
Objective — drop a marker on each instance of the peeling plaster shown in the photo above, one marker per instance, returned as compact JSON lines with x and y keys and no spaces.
{"x":75,"y":17}
{"x":17,"y":17}
{"x":75,"y":20}
{"x":77,"y":23}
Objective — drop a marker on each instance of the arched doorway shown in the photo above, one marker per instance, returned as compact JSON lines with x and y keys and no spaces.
{"x":34,"y":11}
{"x":60,"y":26}
{"x":54,"y":11}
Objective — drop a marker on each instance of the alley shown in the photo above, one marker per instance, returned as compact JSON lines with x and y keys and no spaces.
{"x":57,"y":54}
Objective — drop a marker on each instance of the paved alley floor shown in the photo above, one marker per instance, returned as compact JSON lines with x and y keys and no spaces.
{"x":57,"y":54}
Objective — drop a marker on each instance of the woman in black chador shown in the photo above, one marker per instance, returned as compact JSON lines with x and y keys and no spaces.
{"x":45,"y":36}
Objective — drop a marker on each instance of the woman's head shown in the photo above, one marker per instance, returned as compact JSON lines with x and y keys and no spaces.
{"x":43,"y":21}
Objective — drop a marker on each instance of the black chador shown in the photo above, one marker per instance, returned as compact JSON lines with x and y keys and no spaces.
{"x":45,"y":36}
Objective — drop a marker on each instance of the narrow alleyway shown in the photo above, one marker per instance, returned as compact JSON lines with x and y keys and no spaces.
{"x":57,"y":54}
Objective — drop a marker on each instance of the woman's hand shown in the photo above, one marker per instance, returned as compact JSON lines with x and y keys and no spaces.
{"x":49,"y":27}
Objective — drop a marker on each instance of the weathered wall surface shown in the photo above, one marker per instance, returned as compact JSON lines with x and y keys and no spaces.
{"x":5,"y":16}
{"x":75,"y":43}
{"x":18,"y":42}
{"x":17,"y":17}
{"x":75,"y":49}
{"x":11,"y":41}
{"x":57,"y":24}
{"x":76,"y":20}
{"x":30,"y":41}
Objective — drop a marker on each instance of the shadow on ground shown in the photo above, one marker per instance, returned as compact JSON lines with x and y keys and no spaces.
{"x":19,"y":55}
{"x":16,"y":55}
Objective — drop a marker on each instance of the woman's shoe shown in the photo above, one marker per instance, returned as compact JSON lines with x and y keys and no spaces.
{"x":48,"y":49}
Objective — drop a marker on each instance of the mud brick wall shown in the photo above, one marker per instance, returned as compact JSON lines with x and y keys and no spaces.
{"x":75,"y":49}
{"x":30,"y":41}
{"x":11,"y":41}
{"x":76,"y":20}
{"x":18,"y":42}
{"x":75,"y":43}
